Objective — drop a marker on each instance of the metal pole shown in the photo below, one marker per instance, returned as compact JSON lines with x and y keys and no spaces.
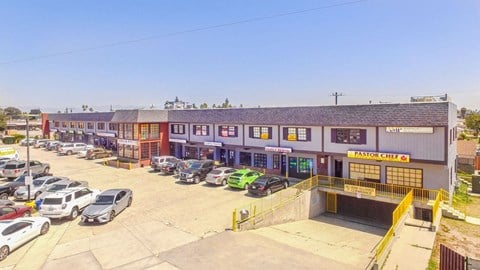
{"x":29,"y":174}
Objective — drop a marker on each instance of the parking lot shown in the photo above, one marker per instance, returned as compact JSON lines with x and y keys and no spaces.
{"x":171,"y":225}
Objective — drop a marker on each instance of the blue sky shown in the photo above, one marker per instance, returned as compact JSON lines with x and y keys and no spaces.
{"x":379,"y":51}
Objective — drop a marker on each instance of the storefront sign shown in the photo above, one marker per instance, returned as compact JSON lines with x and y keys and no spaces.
{"x":79,"y":131}
{"x":359,"y":190}
{"x":89,"y":133}
{"x":104,"y":134}
{"x":264,"y":136}
{"x":379,"y":156}
{"x":71,"y":131}
{"x":292,"y":137}
{"x":219,"y":144}
{"x":409,"y":129}
{"x":127,"y":142}
{"x":62,"y":131}
{"x":278,"y":149}
{"x":177,"y":140}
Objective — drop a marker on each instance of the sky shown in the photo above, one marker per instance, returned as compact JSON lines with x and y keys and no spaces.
{"x":57,"y":54}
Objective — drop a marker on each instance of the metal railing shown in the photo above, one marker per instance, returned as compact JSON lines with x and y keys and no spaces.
{"x":397,"y":215}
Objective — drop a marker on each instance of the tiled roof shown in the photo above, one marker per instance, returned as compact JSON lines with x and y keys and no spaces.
{"x":409,"y":114}
{"x":466,"y":149}
{"x":140,"y":116}
{"x":86,"y":116}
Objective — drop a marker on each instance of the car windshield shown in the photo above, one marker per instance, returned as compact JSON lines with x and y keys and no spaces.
{"x":38,"y":182}
{"x":57,"y":187}
{"x":20,"y":179}
{"x":216,"y":172}
{"x":196,"y":165}
{"x":104,"y":199}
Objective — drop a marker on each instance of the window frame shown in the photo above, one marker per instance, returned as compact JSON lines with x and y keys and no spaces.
{"x":349,"y":136}
{"x":177,"y":128}
{"x":258,"y":132}
{"x":201,"y":130}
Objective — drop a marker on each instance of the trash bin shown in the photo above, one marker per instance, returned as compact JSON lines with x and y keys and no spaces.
{"x":244,"y":214}
{"x":476,"y":184}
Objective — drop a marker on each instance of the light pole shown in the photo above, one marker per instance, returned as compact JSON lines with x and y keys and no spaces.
{"x":28,"y":177}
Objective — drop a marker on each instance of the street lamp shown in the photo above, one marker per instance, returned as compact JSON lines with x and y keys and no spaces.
{"x":28,"y":177}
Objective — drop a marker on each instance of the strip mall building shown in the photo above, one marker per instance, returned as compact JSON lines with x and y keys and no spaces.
{"x":412,"y":144}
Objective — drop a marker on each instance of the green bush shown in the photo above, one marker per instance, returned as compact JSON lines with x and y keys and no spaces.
{"x":462,"y":136}
{"x":8,"y":140}
{"x":18,"y":137}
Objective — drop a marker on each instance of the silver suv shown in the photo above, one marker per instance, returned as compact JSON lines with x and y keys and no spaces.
{"x":159,"y":161}
{"x":68,"y":202}
{"x":16,"y":168}
{"x":71,"y":148}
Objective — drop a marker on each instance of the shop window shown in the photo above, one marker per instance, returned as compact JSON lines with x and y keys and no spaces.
{"x":128,"y":131}
{"x":121,"y":152}
{"x":191,"y":152}
{"x":144,"y":151}
{"x":112,"y":126}
{"x":154,"y":149}
{"x":200,"y":130}
{"x":128,"y":151}
{"x":245,"y":158}
{"x":81,"y":125}
{"x":72,"y":124}
{"x":297,"y":134}
{"x":57,"y":124}
{"x":120,"y":131}
{"x":154,"y":131}
{"x":276,"y":161}
{"x":177,"y":129}
{"x":135,"y":131}
{"x":263,"y":133}
{"x":144,"y":131}
{"x":405,"y":177}
{"x":135,"y":152}
{"x":349,"y":136}
{"x":206,"y":153}
{"x":228,"y":131}
{"x":259,"y":160}
{"x":365,"y":172}
{"x":100,"y":126}
{"x":304,"y":165}
{"x":90,"y":125}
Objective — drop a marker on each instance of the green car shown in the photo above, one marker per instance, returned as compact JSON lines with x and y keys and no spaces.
{"x":243,"y":178}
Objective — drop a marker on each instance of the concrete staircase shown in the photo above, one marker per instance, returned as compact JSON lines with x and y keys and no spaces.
{"x":451,"y":212}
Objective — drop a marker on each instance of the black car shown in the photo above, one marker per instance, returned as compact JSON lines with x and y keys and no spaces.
{"x":9,"y":188}
{"x":268,"y":184}
{"x":197,"y":171}
{"x":171,"y":167}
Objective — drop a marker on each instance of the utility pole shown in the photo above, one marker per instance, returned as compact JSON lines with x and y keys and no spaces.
{"x":28,"y":177}
{"x":336,"y":95}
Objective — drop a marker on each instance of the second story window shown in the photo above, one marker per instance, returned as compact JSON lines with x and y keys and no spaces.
{"x":200,"y":130}
{"x":81,"y":125}
{"x":143,"y":131}
{"x":89,"y":125}
{"x":349,"y":136}
{"x":101,"y":126}
{"x":228,"y":131}
{"x":72,"y":124}
{"x":57,"y":124}
{"x":177,"y":129}
{"x":263,"y":133}
{"x":112,"y":126}
{"x":297,"y":134}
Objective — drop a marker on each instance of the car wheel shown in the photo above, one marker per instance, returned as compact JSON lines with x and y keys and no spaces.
{"x":27,"y":214}
{"x":196,"y":179}
{"x":4,"y":196}
{"x":112,"y":215}
{"x":269,"y":192}
{"x":69,"y":153}
{"x":74,"y":213}
{"x":47,"y":169}
{"x":4,"y":251}
{"x":45,"y":228}
{"x":285,"y":185}
{"x":246,"y":186}
{"x":224,"y":182}
{"x":129,"y":202}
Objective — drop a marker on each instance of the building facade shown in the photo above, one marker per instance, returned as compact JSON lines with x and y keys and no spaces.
{"x":412,"y":144}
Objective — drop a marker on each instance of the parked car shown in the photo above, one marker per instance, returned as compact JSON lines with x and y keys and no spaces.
{"x":158,"y":162}
{"x":3,"y":162}
{"x":7,"y":153}
{"x":243,"y":178}
{"x":6,"y":202}
{"x":31,"y":141}
{"x":107,"y":205}
{"x":268,"y":184}
{"x":98,"y":153}
{"x":15,"y":168}
{"x":184,"y":164}
{"x":16,"y":232}
{"x":9,"y":188}
{"x":71,"y":148}
{"x":67,"y":202}
{"x":219,"y":176}
{"x":11,"y":212}
{"x":40,"y":143}
{"x":38,"y":186}
{"x":197,"y":171}
{"x":171,"y":166}
{"x":60,"y":185}
{"x":83,"y":153}
{"x":51,"y":145}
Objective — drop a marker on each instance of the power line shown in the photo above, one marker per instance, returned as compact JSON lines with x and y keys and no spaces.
{"x":199,"y":29}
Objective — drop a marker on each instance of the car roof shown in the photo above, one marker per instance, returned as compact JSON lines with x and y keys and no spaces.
{"x":48,"y":177}
{"x":243,"y":171}
{"x":64,"y":181}
{"x":64,"y":192}
{"x":223,"y":168}
{"x":113,"y":191}
{"x":5,"y":223}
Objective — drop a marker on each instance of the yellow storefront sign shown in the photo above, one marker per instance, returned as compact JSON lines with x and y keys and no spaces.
{"x":264,"y":136}
{"x":358,"y":189}
{"x":292,"y":137}
{"x":379,"y":156}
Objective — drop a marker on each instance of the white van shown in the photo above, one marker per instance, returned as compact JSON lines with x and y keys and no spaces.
{"x":8,"y":153}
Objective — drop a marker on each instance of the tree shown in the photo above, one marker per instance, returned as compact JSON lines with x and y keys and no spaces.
{"x":472,"y":121}
{"x":90,"y":109}
{"x":463,"y":112}
{"x":214,"y":106}
{"x":84,"y":107}
{"x":204,"y":106}
{"x":226,"y":104}
{"x":176,"y":99}
{"x":13,"y":113}
{"x":194,"y":106}
{"x":3,"y":120}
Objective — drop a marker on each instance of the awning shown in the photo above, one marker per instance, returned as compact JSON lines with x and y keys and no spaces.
{"x":104,"y":134}
{"x":89,"y":133}
{"x":63,"y":131}
{"x":177,"y":140}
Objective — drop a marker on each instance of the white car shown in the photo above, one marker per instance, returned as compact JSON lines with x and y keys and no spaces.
{"x":16,"y":232}
{"x":83,"y":153}
{"x":71,"y":148}
{"x":38,"y":186}
{"x":68,"y":202}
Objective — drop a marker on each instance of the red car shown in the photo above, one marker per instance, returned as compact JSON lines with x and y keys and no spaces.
{"x":11,"y":212}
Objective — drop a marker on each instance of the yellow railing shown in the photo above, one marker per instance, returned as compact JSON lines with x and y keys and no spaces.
{"x":397,"y":214}
{"x":260,"y":207}
{"x":436,"y":206}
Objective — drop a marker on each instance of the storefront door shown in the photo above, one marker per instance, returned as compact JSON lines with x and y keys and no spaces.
{"x":231,"y":158}
{"x":338,"y":168}
{"x":283,"y":165}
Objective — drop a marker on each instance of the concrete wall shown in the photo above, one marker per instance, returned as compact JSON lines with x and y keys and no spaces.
{"x":309,"y":204}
